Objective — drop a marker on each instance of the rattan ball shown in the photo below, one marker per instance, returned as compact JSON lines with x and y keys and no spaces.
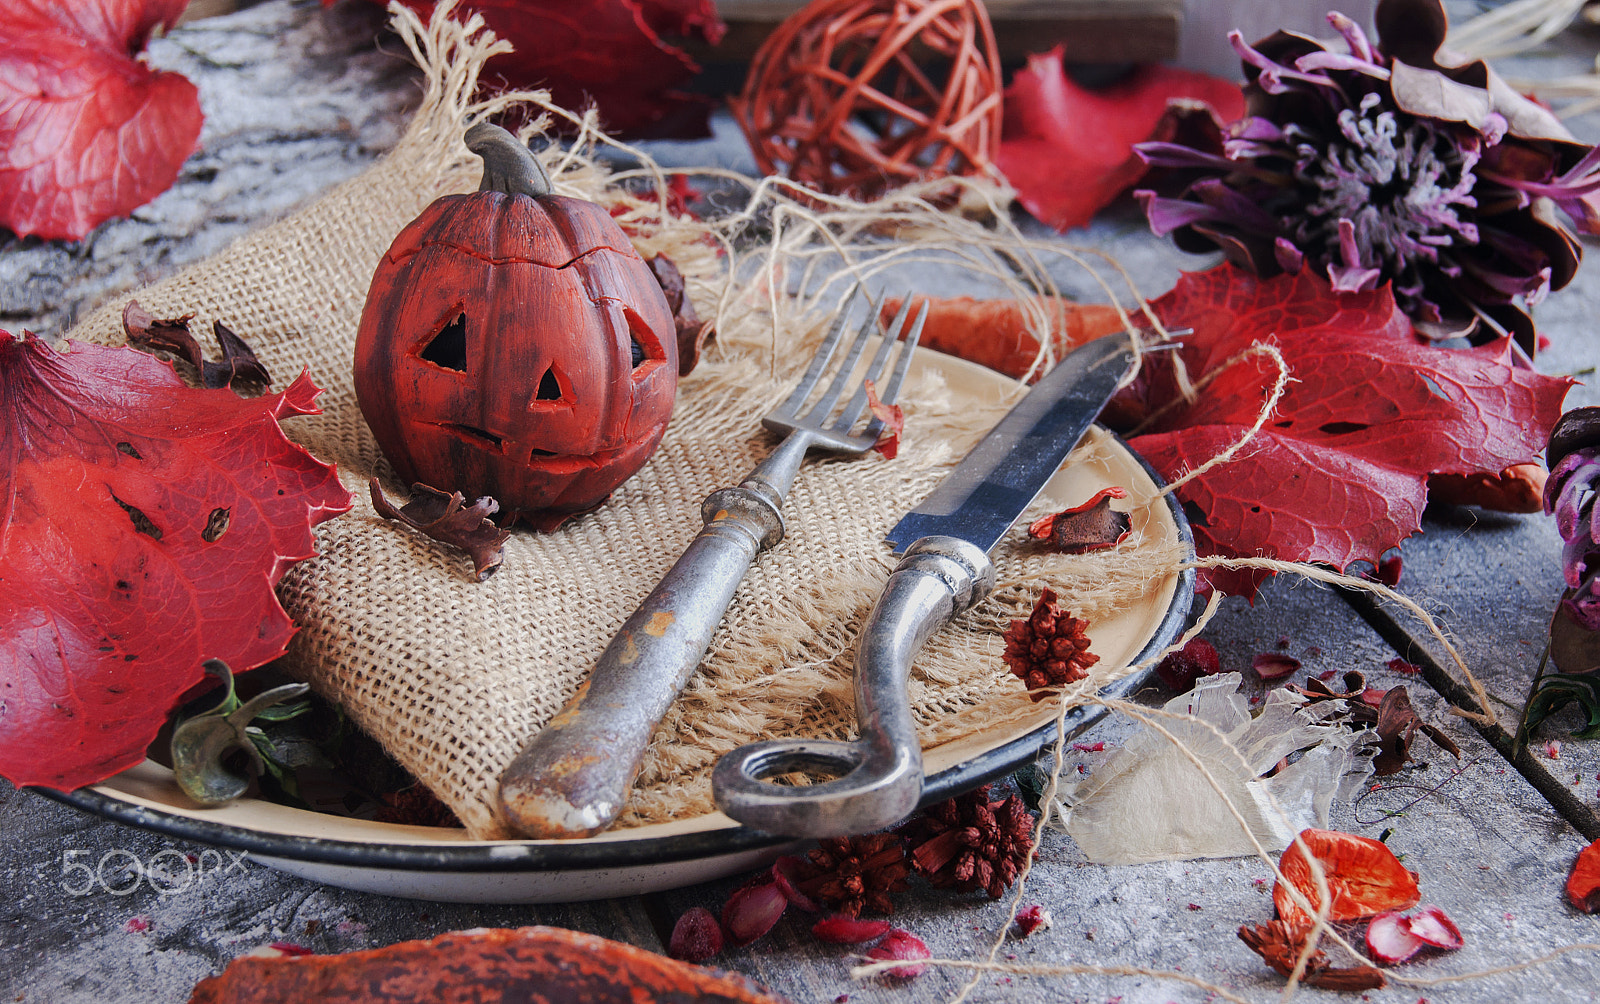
{"x":856,"y":97}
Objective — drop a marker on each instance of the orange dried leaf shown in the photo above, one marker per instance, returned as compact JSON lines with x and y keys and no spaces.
{"x":1364,"y":877}
{"x":995,"y":333}
{"x":893,"y":418}
{"x":1583,"y":885}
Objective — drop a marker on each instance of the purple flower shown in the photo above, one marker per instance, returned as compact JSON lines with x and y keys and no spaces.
{"x":1382,"y":165}
{"x":1569,"y":496}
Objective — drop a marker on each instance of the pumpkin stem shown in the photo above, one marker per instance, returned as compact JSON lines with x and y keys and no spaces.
{"x":508,"y":165}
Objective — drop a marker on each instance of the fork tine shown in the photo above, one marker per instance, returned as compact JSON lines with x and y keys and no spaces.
{"x":820,"y":410}
{"x":891,"y":390}
{"x":858,"y":402}
{"x":819,"y":361}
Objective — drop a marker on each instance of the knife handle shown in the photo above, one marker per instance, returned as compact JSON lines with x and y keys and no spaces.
{"x":573,"y":777}
{"x":881,"y":782}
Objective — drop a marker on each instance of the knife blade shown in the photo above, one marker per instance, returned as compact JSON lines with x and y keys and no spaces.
{"x":945,"y":572}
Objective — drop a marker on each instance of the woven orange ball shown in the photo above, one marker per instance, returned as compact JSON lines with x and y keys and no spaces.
{"x":843,"y":96}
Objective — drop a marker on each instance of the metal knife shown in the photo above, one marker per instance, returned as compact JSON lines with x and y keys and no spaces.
{"x":946,"y":571}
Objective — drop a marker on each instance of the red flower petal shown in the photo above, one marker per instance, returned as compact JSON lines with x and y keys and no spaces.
{"x":785,"y":875}
{"x":1435,"y":928}
{"x":1274,"y":665}
{"x":1363,"y":875}
{"x":87,"y":131}
{"x":1069,"y":150}
{"x":1583,"y":885}
{"x":1389,"y":940}
{"x":901,"y":944}
{"x":696,"y":936}
{"x":751,"y":912}
{"x":843,"y":930}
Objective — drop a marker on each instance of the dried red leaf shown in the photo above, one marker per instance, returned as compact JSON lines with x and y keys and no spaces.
{"x":1363,"y":875}
{"x":893,"y":418}
{"x":445,"y":518}
{"x":1183,"y":668}
{"x":612,"y":54}
{"x":527,"y":964}
{"x":1068,"y":150}
{"x":1091,"y":526}
{"x":1274,"y":665}
{"x":88,"y":131}
{"x":994,"y":333}
{"x":842,"y":930}
{"x":750,"y":912}
{"x":696,"y":936}
{"x":150,"y":522}
{"x":1399,"y":665}
{"x":145,"y":331}
{"x":1340,"y":473}
{"x":1049,"y":648}
{"x":1389,"y":939}
{"x":1583,"y":885}
{"x":901,"y":945}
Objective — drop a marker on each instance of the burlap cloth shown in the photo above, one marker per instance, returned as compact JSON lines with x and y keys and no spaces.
{"x":453,"y":676}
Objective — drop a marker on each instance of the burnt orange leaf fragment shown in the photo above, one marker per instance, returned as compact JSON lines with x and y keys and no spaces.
{"x":1280,"y":945}
{"x":995,"y":333}
{"x":1092,"y":526}
{"x":1364,"y":877}
{"x":445,"y":518}
{"x":482,"y":967}
{"x":1583,"y":885}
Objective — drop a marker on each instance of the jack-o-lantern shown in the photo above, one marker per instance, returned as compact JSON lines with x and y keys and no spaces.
{"x":514,"y":344}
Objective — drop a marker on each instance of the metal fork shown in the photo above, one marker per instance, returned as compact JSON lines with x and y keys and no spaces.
{"x":573,"y":778}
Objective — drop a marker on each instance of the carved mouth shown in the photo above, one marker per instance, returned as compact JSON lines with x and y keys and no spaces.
{"x":539,"y":460}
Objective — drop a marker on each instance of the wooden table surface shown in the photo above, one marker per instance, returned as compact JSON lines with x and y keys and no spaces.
{"x":297,"y":98}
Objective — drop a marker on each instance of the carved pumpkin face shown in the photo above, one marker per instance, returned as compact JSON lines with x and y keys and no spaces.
{"x":519,"y":347}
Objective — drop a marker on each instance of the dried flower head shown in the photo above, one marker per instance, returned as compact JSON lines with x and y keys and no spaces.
{"x":1570,"y":493}
{"x":1049,"y":648}
{"x":855,"y":874}
{"x":969,"y":842}
{"x":1383,"y":164}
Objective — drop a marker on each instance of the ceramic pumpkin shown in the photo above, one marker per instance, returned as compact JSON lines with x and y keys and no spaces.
{"x":514,"y":344}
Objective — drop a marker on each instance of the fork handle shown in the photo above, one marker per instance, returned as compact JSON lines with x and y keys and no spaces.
{"x":573,"y":777}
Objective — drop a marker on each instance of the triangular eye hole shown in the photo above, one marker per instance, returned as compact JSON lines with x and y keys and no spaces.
{"x":448,"y":348}
{"x":643,"y":344}
{"x":549,"y":387}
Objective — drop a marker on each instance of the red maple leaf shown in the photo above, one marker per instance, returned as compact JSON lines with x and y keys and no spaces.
{"x":143,"y":525}
{"x":1068,"y":150}
{"x":609,"y":53}
{"x":87,"y":131}
{"x":1339,"y":473}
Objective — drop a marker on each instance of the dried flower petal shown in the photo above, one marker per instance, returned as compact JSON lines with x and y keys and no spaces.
{"x":1274,"y":665}
{"x":786,"y":872}
{"x":841,"y":930}
{"x":1363,"y":875}
{"x":1034,"y":918}
{"x":1390,"y":940}
{"x":1434,"y":927}
{"x":893,"y":418}
{"x":696,"y":936}
{"x":1091,"y":526}
{"x":901,"y":945}
{"x":1182,"y":668}
{"x":750,"y":912}
{"x":1583,"y":885}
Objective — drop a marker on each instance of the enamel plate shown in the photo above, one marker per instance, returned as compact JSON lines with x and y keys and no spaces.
{"x":422,"y":862}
